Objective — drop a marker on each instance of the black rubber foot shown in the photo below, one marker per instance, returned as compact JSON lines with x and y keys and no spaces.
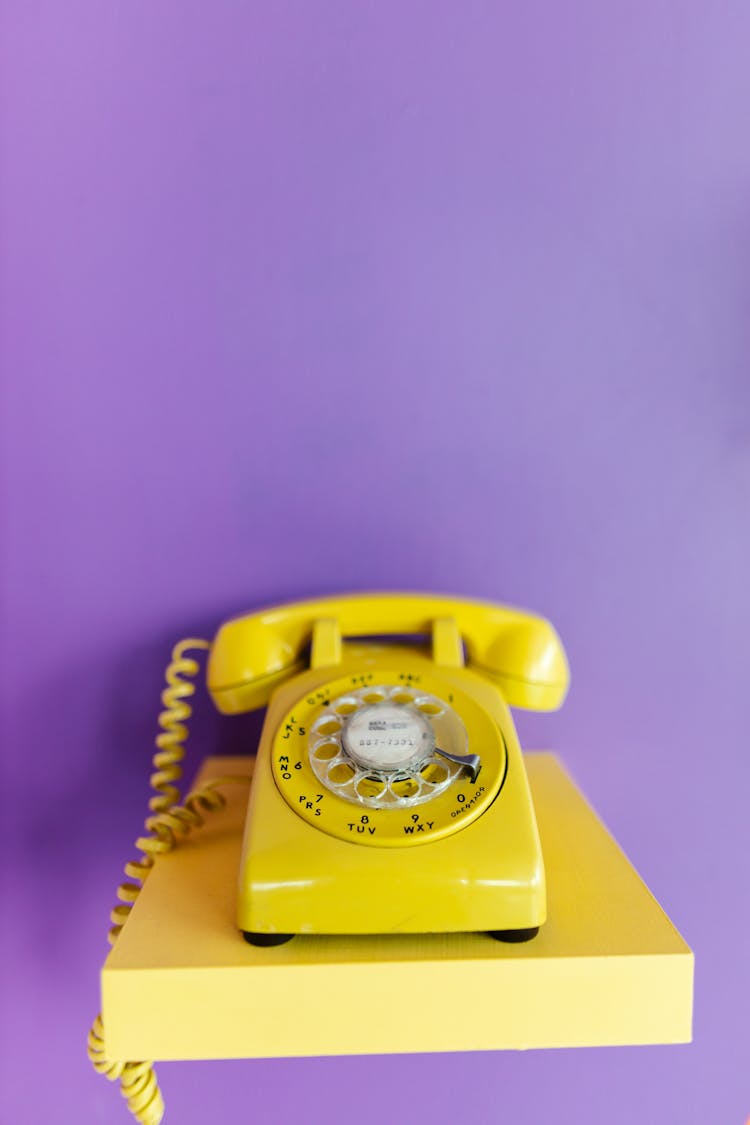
{"x":266,"y":940}
{"x":514,"y":935}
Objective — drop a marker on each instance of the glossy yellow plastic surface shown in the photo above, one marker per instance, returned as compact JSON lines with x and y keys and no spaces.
{"x":607,"y":968}
{"x":519,"y":652}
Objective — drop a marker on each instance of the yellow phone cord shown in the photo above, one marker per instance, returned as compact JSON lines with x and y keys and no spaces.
{"x":169,"y":823}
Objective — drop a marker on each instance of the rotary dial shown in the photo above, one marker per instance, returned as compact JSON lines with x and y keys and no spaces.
{"x":389,"y":746}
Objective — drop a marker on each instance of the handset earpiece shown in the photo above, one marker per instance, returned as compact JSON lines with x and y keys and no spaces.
{"x":527,"y":661}
{"x":249,"y":658}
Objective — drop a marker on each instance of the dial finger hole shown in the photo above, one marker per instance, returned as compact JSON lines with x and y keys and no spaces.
{"x":345,"y":706}
{"x":404,"y":785}
{"x":328,"y":725}
{"x":326,"y":751}
{"x":429,"y":706}
{"x":373,"y":697}
{"x":401,"y":696}
{"x":341,"y":773}
{"x":370,"y":786}
{"x":434,"y":773}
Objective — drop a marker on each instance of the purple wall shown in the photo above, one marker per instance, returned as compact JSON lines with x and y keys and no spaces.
{"x":299,"y":298}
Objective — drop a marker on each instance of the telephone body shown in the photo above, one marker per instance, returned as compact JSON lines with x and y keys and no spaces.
{"x":389,"y":793}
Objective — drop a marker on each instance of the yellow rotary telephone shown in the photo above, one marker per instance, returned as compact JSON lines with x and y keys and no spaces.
{"x":389,"y":793}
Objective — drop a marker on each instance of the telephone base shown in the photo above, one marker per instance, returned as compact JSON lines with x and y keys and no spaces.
{"x":607,"y":968}
{"x":266,"y":941}
{"x":514,"y":935}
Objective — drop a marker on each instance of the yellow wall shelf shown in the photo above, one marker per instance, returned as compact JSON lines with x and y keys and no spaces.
{"x":608,"y":967}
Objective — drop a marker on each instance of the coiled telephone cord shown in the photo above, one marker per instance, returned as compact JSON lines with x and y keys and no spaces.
{"x":169,"y":823}
{"x":170,"y":743}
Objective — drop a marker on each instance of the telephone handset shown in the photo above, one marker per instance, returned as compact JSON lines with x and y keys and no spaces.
{"x":518,"y":651}
{"x":389,"y":793}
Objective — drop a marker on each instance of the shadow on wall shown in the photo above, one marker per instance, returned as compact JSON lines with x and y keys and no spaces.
{"x":83,"y":779}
